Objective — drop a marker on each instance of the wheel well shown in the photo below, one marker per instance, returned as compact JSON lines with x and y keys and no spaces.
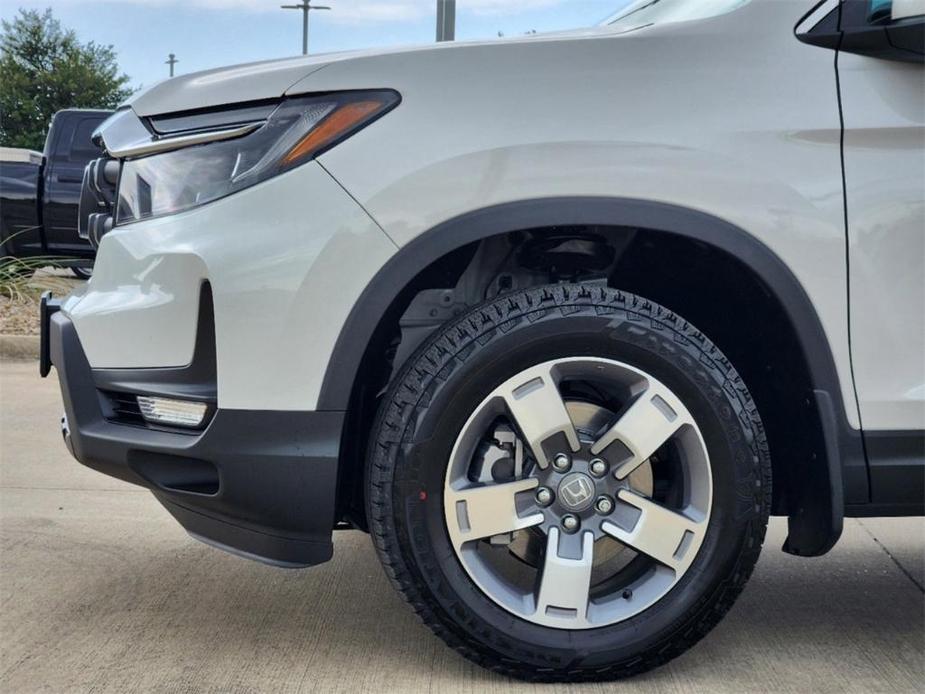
{"x":714,"y":290}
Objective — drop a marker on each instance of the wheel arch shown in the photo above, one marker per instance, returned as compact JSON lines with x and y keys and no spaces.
{"x":816,"y":515}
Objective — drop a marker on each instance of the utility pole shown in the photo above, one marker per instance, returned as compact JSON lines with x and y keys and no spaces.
{"x":306,"y":7}
{"x":446,"y":20}
{"x":171,"y":61}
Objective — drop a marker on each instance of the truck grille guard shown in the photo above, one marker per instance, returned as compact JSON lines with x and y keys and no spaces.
{"x":97,"y":199}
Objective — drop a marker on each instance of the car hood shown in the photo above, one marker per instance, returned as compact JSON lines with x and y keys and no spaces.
{"x":272,"y":79}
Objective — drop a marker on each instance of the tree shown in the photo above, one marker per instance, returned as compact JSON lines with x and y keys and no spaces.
{"x":44,"y":68}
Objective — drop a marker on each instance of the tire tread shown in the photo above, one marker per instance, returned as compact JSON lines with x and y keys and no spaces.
{"x":437,"y":358}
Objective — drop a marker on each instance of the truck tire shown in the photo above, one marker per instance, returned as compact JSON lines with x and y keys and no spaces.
{"x":568,"y":483}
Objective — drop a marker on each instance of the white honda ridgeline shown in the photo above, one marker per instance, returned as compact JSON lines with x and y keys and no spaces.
{"x":558,"y":320}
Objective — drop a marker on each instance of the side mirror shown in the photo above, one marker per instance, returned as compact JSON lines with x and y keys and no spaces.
{"x":885,"y":29}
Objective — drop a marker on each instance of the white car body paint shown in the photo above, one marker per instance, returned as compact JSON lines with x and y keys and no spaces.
{"x":703,"y":115}
{"x":277,"y":311}
{"x":885,"y":177}
{"x":903,"y":9}
{"x":730,"y":115}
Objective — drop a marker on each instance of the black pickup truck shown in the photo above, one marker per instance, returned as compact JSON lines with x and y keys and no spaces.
{"x":39,"y":193}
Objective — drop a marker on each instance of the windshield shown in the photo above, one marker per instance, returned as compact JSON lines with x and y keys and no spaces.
{"x":644,"y":12}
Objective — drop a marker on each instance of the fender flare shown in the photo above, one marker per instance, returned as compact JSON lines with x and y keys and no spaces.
{"x":843,"y":444}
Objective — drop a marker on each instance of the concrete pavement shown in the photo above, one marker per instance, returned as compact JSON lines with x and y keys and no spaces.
{"x":101,"y":591}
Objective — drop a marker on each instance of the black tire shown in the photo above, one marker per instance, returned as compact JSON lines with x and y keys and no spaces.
{"x":82,"y":273}
{"x":436,"y":390}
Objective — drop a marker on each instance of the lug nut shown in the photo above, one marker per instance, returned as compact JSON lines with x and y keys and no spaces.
{"x":570,"y":523}
{"x":598,"y":467}
{"x":543,"y":496}
{"x":603,"y":505}
{"x":561,"y":462}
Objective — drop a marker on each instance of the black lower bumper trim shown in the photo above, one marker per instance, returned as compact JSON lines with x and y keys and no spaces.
{"x":282,"y":552}
{"x":47,"y":308}
{"x":260,"y":483}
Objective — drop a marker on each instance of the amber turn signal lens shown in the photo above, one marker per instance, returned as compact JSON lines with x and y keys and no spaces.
{"x":335,"y":125}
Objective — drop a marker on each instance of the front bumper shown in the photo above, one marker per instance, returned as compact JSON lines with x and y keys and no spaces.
{"x":258,"y":483}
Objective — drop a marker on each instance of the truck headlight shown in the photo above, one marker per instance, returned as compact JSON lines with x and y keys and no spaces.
{"x":298,"y":130}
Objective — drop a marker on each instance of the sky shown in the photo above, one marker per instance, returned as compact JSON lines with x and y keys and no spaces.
{"x":212,"y":33}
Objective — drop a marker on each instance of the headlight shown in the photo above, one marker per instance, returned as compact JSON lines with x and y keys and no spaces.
{"x":297,"y":131}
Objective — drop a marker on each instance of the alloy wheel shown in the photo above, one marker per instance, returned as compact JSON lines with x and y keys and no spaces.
{"x":578,"y":493}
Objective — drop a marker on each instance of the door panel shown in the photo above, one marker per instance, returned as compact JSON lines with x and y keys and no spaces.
{"x":883,"y":104}
{"x":63,"y":178}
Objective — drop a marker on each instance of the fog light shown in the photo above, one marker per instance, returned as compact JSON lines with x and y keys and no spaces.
{"x":177,"y":413}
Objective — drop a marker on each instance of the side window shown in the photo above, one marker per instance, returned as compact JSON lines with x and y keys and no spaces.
{"x":82,"y":149}
{"x":879,"y":11}
{"x":865,"y":13}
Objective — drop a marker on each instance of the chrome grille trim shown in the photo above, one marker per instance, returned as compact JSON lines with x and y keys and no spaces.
{"x":124,"y":136}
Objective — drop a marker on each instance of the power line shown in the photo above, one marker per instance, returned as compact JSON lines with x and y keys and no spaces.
{"x":306,"y":7}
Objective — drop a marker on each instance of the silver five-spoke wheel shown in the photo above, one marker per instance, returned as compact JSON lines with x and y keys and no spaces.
{"x":578,"y":492}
